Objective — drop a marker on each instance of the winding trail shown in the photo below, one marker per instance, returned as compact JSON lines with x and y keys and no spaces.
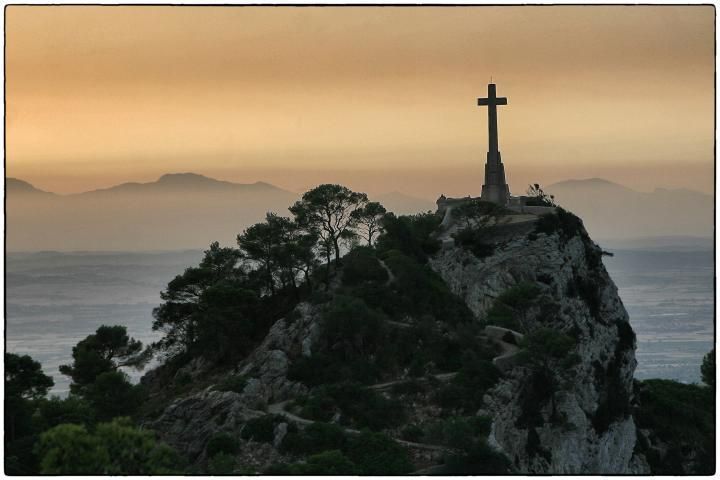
{"x":391,"y":275}
{"x":279,"y":407}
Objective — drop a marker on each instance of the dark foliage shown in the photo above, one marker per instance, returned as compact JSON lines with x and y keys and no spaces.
{"x":108,"y":349}
{"x":476,"y":241}
{"x":115,"y":448}
{"x":683,"y":417}
{"x":358,"y":406}
{"x":361,"y":265}
{"x":262,"y":429}
{"x":418,"y":290}
{"x":333,"y":452}
{"x":510,"y":307}
{"x":377,"y":454}
{"x":410,"y":234}
{"x":465,"y":391}
{"x":626,"y":336}
{"x":562,"y":222}
{"x":315,"y":438}
{"x":221,"y":443}
{"x":707,"y":369}
{"x":112,"y":395}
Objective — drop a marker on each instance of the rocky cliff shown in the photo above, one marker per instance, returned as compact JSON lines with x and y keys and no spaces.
{"x":591,"y":430}
{"x":559,"y":413}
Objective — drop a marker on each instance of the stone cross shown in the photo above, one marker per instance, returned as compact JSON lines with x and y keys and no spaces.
{"x":495,"y":188}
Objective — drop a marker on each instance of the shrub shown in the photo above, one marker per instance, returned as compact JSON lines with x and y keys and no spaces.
{"x":221,"y":464}
{"x":261,"y":429}
{"x":231,"y":383}
{"x":113,"y":448}
{"x":354,"y":329}
{"x":331,"y":462}
{"x":707,"y":369}
{"x":410,"y":234}
{"x":465,"y":391}
{"x":502,"y":316}
{"x":221,"y":443}
{"x":361,"y":265}
{"x":321,"y":369}
{"x":508,"y":337}
{"x":412,"y":433}
{"x":511,"y":305}
{"x":588,"y":289}
{"x":562,"y":222}
{"x":478,"y":458}
{"x":358,"y":406}
{"x":683,"y":417}
{"x":626,"y":336}
{"x":474,"y":240}
{"x":378,"y":454}
{"x":418,"y":290}
{"x":315,"y":438}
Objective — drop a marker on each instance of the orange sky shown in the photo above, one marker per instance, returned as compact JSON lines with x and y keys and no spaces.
{"x":377,"y":98}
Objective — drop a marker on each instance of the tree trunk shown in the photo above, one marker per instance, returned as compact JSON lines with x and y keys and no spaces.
{"x":337,"y":251}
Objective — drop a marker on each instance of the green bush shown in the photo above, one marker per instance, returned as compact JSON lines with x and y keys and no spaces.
{"x":331,"y":462}
{"x":465,"y":391}
{"x":377,"y":454}
{"x":231,"y":383}
{"x":221,"y":464}
{"x":221,"y":443}
{"x":478,"y":458}
{"x":113,"y":448}
{"x":261,"y":429}
{"x":321,"y":369}
{"x":315,"y":438}
{"x":626,"y":336}
{"x":511,"y":305}
{"x":474,"y":240}
{"x":683,"y":417}
{"x":412,"y":433}
{"x":707,"y":369}
{"x":351,"y":327}
{"x":361,"y":265}
{"x":410,"y":234}
{"x":418,"y":290}
{"x":562,"y":222}
{"x":502,"y":316}
{"x":358,"y":406}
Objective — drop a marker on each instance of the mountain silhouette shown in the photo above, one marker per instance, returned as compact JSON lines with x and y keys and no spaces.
{"x":188,"y":211}
{"x":176,"y":211}
{"x":613,"y":211}
{"x":14,"y":186}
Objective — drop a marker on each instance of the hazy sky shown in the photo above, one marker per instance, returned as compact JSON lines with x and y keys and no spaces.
{"x":377,"y":98}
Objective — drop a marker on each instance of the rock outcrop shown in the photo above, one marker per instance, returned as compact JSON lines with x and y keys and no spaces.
{"x":189,"y":422}
{"x":591,"y":429}
{"x":582,"y":425}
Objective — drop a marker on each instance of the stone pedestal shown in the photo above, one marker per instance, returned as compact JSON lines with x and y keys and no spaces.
{"x":495,"y":189}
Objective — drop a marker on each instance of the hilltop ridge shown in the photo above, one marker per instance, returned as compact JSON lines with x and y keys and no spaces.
{"x":551,"y":392}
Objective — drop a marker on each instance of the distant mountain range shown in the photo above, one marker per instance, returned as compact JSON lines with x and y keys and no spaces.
{"x":613,"y":212}
{"x":177,"y":211}
{"x":187,"y":210}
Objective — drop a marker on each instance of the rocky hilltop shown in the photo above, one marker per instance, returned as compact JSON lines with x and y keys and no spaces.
{"x":491,"y":344}
{"x":589,"y":428}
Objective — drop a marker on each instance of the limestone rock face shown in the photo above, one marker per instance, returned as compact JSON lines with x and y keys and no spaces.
{"x":288,"y":338}
{"x":188,"y":423}
{"x":591,"y":429}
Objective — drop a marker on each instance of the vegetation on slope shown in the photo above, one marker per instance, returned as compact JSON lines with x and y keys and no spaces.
{"x":386,"y":316}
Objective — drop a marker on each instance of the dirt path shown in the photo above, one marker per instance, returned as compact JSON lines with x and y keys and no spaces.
{"x":278,"y":408}
{"x":391,"y":275}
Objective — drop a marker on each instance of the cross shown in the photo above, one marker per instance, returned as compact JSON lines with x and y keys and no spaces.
{"x":492,"y":101}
